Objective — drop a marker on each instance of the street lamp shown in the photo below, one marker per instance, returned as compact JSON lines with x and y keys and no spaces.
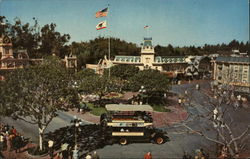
{"x":75,"y":151}
{"x":142,"y":92}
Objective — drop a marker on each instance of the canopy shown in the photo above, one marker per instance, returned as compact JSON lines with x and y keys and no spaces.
{"x":128,"y":107}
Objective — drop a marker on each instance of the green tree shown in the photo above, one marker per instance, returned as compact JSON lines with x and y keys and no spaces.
{"x":35,"y":94}
{"x":99,"y":85}
{"x":94,"y":84}
{"x":120,"y":75}
{"x":85,"y":73}
{"x":3,"y":26}
{"x":38,"y":42}
{"x":123,"y":72}
{"x":94,"y":50}
{"x":153,"y":81}
{"x":52,"y":41}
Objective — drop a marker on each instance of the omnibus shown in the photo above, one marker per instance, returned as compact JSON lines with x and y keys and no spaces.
{"x":124,"y":123}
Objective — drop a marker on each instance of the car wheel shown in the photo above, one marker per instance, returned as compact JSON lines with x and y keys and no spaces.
{"x":159,"y":140}
{"x":123,"y":141}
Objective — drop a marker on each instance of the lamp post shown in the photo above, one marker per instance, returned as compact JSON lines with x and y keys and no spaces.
{"x":75,"y":151}
{"x":142,"y":92}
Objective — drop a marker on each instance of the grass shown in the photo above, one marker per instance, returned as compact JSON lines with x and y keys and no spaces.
{"x":96,"y":110}
{"x":160,"y":108}
{"x":100,"y":110}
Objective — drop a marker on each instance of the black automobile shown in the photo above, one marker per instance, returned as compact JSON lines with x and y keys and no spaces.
{"x":143,"y":135}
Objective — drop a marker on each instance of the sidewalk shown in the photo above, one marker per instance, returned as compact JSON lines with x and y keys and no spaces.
{"x":11,"y":154}
{"x":87,"y":117}
{"x":176,"y":115}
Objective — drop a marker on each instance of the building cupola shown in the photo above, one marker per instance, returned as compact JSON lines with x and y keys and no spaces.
{"x":147,"y":47}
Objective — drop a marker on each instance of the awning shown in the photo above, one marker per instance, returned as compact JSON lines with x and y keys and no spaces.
{"x":128,"y":107}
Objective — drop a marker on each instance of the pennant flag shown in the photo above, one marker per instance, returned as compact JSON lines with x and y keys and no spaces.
{"x":146,"y":27}
{"x":101,"y":25}
{"x":102,"y":13}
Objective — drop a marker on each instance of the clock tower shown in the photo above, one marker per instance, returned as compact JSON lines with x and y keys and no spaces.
{"x":147,"y":53}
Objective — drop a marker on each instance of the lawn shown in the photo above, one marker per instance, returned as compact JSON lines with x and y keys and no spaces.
{"x":160,"y":108}
{"x":96,"y":110}
{"x":100,"y":110}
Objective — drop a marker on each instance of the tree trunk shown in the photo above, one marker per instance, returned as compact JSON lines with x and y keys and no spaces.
{"x":41,"y":131}
{"x":100,"y":99}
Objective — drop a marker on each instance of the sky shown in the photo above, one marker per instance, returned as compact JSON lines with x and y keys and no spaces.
{"x":175,"y":22}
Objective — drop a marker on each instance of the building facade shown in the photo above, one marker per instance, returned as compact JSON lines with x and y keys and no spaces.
{"x":7,"y":59}
{"x":234,"y":71}
{"x":172,"y":66}
{"x":10,"y":60}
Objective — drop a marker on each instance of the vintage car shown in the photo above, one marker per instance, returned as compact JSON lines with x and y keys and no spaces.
{"x":125,"y":123}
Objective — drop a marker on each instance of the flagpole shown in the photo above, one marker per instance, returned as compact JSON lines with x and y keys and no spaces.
{"x":108,"y":40}
{"x":147,"y":32}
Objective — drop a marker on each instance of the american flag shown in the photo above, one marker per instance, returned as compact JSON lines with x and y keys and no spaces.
{"x":102,"y":13}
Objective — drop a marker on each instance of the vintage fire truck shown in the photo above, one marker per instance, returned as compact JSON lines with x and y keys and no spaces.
{"x":124,"y":123}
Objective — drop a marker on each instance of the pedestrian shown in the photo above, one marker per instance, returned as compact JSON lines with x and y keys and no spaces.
{"x":197,"y":87}
{"x":95,"y":155}
{"x":13,"y":130}
{"x":50,"y":145}
{"x":65,"y":151}
{"x":17,"y":142}
{"x":6,"y":128}
{"x":1,"y":142}
{"x":186,"y":156}
{"x":224,"y":152}
{"x":179,"y":101}
{"x":203,"y":154}
{"x":58,"y":156}
{"x":75,"y":152}
{"x":186,"y":92}
{"x":148,"y":155}
{"x":78,"y":108}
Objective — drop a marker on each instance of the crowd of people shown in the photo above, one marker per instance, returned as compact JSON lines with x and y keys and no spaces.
{"x":10,"y":139}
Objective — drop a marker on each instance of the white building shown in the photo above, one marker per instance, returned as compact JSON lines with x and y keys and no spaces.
{"x":171,"y":65}
{"x":233,"y":71}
